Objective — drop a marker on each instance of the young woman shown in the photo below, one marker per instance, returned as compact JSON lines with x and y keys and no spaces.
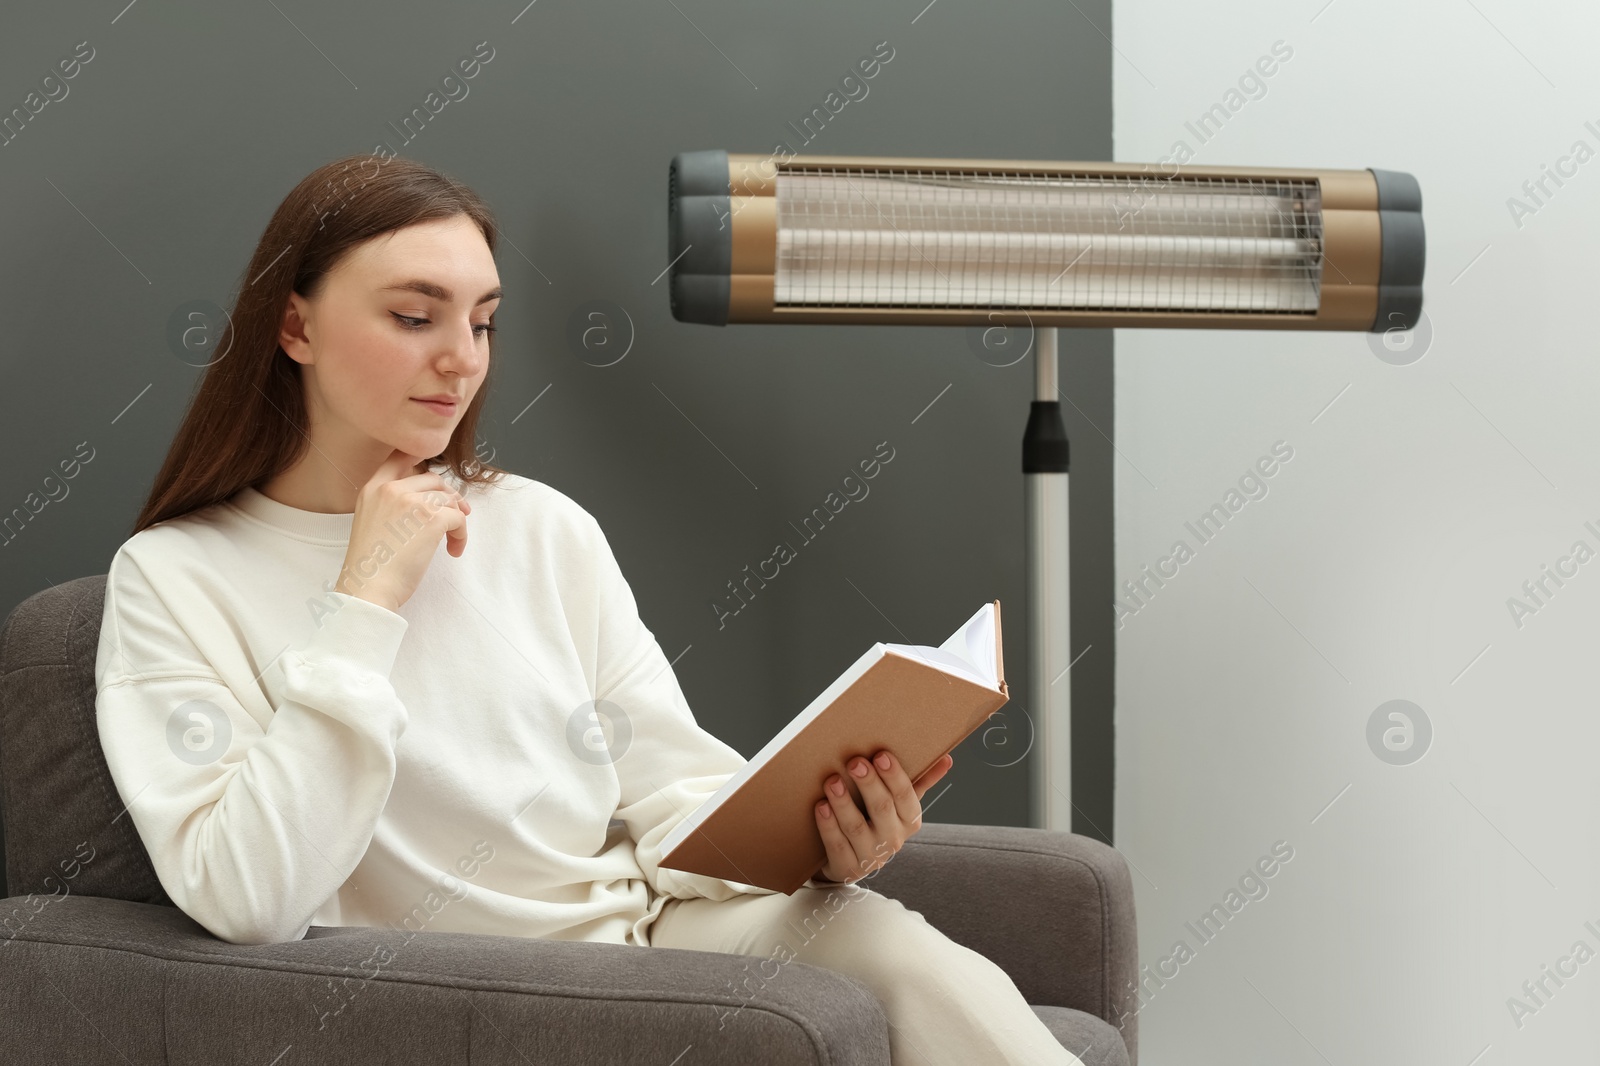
{"x":315,"y":717}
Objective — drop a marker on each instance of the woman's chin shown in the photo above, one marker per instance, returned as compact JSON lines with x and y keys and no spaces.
{"x":424,"y":445}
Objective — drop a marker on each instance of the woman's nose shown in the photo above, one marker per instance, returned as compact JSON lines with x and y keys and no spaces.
{"x":468,"y":354}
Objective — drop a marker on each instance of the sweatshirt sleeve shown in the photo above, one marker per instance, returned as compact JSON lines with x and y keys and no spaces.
{"x":670,"y":765}
{"x":253,"y":818}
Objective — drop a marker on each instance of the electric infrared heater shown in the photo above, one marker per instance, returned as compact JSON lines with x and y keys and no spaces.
{"x":1026,"y":248}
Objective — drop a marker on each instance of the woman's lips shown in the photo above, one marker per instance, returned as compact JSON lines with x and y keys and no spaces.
{"x":438,"y":408}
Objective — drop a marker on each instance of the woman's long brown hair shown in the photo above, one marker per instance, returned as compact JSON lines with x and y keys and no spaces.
{"x":247,"y":421}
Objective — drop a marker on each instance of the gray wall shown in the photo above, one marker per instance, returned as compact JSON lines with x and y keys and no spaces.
{"x":145,"y":187}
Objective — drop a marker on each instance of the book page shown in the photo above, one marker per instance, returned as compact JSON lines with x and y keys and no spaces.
{"x":968,"y":652}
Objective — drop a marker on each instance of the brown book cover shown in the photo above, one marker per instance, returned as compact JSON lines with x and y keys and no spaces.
{"x":759,"y":828}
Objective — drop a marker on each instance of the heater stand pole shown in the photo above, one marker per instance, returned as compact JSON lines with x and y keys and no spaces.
{"x":1044,"y":467}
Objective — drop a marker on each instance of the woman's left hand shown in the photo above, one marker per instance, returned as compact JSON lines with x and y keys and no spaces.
{"x":855,"y":845}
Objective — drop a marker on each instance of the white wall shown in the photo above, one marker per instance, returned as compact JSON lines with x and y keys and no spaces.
{"x":1379,"y":564}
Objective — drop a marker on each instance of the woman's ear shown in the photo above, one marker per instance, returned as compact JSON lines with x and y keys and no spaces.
{"x":294,"y":336}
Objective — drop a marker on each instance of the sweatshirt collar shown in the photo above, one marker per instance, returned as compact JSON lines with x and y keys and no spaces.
{"x":311,"y":525}
{"x":308,"y":525}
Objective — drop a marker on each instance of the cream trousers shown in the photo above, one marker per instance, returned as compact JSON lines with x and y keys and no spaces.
{"x":947,"y":1005}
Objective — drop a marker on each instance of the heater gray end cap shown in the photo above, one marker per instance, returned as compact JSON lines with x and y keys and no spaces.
{"x":699,"y":298}
{"x":703,"y":173}
{"x":1404,"y":251}
{"x":699,"y":237}
{"x":1399,"y":307}
{"x":1400,"y":275}
{"x":1397,"y":190}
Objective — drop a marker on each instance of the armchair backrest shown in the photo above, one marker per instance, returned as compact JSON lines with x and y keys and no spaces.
{"x":65,"y":826}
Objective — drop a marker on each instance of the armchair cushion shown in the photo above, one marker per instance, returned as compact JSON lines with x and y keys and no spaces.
{"x":55,"y":787}
{"x":103,"y":981}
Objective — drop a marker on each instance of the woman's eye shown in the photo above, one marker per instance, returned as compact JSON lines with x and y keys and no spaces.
{"x":408,"y":322}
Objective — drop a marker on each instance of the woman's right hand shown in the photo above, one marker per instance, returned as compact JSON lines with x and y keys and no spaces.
{"x":401,"y":492}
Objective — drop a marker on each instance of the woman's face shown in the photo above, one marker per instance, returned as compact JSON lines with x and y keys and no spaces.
{"x":402,"y":316}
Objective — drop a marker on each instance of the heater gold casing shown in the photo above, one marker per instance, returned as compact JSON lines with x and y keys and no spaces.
{"x":724,"y":226}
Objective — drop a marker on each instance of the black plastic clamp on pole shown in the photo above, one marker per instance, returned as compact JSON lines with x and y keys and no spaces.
{"x":1044,"y":442}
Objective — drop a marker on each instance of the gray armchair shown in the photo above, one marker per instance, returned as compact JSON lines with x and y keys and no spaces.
{"x":97,"y":965}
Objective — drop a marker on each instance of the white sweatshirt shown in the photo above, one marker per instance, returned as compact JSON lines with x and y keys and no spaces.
{"x":293,"y":756}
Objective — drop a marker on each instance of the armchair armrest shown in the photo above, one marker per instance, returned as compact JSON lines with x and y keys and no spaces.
{"x":1068,"y":936}
{"x":93,"y":980}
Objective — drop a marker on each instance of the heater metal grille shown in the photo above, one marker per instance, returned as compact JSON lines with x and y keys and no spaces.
{"x":897,"y":238}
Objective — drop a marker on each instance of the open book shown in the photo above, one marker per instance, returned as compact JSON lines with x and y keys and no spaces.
{"x":916,"y":701}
